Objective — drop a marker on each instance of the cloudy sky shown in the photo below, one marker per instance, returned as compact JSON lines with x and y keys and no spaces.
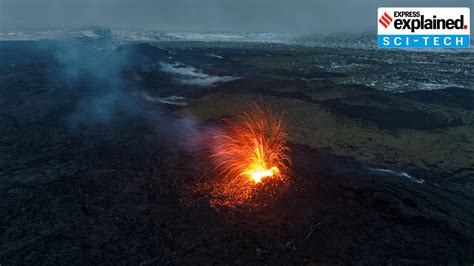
{"x":203,"y":15}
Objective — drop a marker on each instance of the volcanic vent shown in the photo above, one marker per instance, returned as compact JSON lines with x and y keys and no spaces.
{"x":251,"y":157}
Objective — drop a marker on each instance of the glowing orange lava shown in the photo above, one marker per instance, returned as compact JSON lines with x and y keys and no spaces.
{"x":258,"y":168}
{"x":251,"y":150}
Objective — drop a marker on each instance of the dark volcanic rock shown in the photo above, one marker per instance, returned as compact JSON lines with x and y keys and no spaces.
{"x":391,"y":118}
{"x":454,"y":97}
{"x":121,"y":187}
{"x":142,"y":54}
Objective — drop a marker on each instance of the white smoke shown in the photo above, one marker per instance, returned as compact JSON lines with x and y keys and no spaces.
{"x":188,"y":75}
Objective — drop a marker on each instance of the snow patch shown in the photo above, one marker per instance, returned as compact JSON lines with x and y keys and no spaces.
{"x":215,"y":56}
{"x":173,"y":100}
{"x":189,"y":75}
{"x":400,"y":174}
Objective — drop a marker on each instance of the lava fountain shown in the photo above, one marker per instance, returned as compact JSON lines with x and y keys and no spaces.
{"x":251,"y":154}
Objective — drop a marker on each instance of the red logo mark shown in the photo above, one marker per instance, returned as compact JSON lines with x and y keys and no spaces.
{"x":385,"y":20}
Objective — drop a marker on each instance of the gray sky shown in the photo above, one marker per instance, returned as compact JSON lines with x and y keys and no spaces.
{"x":203,"y":15}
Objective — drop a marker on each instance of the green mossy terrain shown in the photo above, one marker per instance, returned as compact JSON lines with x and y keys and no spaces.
{"x":432,"y":136}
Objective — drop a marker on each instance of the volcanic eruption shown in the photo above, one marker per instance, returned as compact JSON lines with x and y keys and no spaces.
{"x":250,"y":155}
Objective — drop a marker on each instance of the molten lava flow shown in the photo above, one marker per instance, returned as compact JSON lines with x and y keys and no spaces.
{"x":258,"y":174}
{"x":258,"y":168}
{"x":251,"y":150}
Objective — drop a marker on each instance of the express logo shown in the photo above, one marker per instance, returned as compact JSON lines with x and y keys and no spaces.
{"x":423,"y":27}
{"x":385,"y":20}
{"x":416,"y":20}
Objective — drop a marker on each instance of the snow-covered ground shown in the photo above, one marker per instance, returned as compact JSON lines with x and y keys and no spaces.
{"x":339,"y":40}
{"x":333,"y":40}
{"x":129,"y":35}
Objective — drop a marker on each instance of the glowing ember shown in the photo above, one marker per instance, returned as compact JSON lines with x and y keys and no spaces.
{"x":258,"y":169}
{"x":257,"y":175}
{"x":251,"y":150}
